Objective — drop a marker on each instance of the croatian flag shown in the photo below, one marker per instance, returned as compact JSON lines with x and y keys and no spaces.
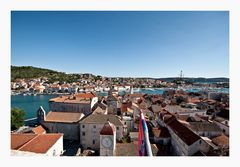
{"x":144,"y":147}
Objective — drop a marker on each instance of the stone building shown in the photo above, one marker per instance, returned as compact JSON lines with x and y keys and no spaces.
{"x":61,"y":122}
{"x":108,"y":139}
{"x":82,"y":102}
{"x":112,"y":103}
{"x":91,"y":126}
{"x":184,"y":141}
{"x":37,"y":144}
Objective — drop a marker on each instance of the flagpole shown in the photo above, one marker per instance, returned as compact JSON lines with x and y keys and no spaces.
{"x":146,"y":135}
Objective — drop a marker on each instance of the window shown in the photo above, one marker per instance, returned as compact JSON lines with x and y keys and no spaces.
{"x":117,"y":128}
{"x":125,"y":123}
{"x":83,"y":133}
{"x":94,"y":126}
{"x":93,"y":142}
{"x":83,"y":126}
{"x":200,"y":141}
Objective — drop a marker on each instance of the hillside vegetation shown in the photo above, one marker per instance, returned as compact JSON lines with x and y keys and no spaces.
{"x":29,"y":72}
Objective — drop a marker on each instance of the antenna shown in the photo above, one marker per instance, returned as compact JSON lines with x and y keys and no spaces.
{"x":181,"y":75}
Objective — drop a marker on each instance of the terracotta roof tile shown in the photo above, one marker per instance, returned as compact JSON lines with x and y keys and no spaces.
{"x":136,"y":95}
{"x":39,"y":130}
{"x":41,"y":143}
{"x":85,"y":95}
{"x":68,"y":117}
{"x":221,"y":140}
{"x":77,"y":98}
{"x":108,"y":129}
{"x":18,"y":140}
{"x":125,"y":106}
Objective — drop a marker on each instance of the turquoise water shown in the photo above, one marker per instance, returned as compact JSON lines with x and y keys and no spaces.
{"x":150,"y":91}
{"x":30,"y":104}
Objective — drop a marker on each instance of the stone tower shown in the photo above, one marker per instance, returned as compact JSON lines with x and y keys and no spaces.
{"x":41,"y":114}
{"x":108,"y":140}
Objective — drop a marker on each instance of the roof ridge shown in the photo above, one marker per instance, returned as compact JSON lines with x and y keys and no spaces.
{"x":28,"y":142}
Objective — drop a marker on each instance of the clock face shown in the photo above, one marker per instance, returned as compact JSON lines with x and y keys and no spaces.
{"x":107,"y":142}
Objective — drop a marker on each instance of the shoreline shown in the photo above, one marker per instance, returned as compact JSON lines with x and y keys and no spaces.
{"x":136,"y":90}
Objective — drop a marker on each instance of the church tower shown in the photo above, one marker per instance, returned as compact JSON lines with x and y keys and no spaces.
{"x":41,"y":114}
{"x":108,"y":140}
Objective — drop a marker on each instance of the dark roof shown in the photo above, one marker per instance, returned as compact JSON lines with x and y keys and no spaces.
{"x":161,"y":132}
{"x":66,"y":117}
{"x":204,"y":126}
{"x":199,"y":153}
{"x":168,"y":118}
{"x":185,"y":134}
{"x":194,"y":119}
{"x":101,"y":119}
{"x":99,"y":104}
{"x":108,"y":129}
{"x":111,"y":98}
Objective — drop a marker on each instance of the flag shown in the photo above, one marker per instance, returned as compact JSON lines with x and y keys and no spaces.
{"x":141,"y":142}
{"x":144,"y":147}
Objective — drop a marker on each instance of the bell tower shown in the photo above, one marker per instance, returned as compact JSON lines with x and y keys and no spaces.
{"x":108,"y":139}
{"x":41,"y":114}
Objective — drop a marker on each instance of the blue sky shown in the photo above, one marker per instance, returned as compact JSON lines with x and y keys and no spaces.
{"x":123,"y":43}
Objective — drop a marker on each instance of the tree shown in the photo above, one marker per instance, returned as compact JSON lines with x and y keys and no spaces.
{"x":17,"y":118}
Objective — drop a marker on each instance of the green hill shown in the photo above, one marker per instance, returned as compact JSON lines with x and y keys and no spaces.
{"x":28,"y":72}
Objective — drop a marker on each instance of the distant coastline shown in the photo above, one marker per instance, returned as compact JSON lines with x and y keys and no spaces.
{"x":28,"y":72}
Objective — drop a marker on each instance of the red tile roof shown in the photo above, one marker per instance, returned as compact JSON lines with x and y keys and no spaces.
{"x":221,"y":140}
{"x":68,"y":117}
{"x":108,"y":129}
{"x":77,"y":98}
{"x":194,"y":100}
{"x":125,"y":106}
{"x":39,"y":130}
{"x":85,"y":95}
{"x":18,"y":140}
{"x":41,"y":143}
